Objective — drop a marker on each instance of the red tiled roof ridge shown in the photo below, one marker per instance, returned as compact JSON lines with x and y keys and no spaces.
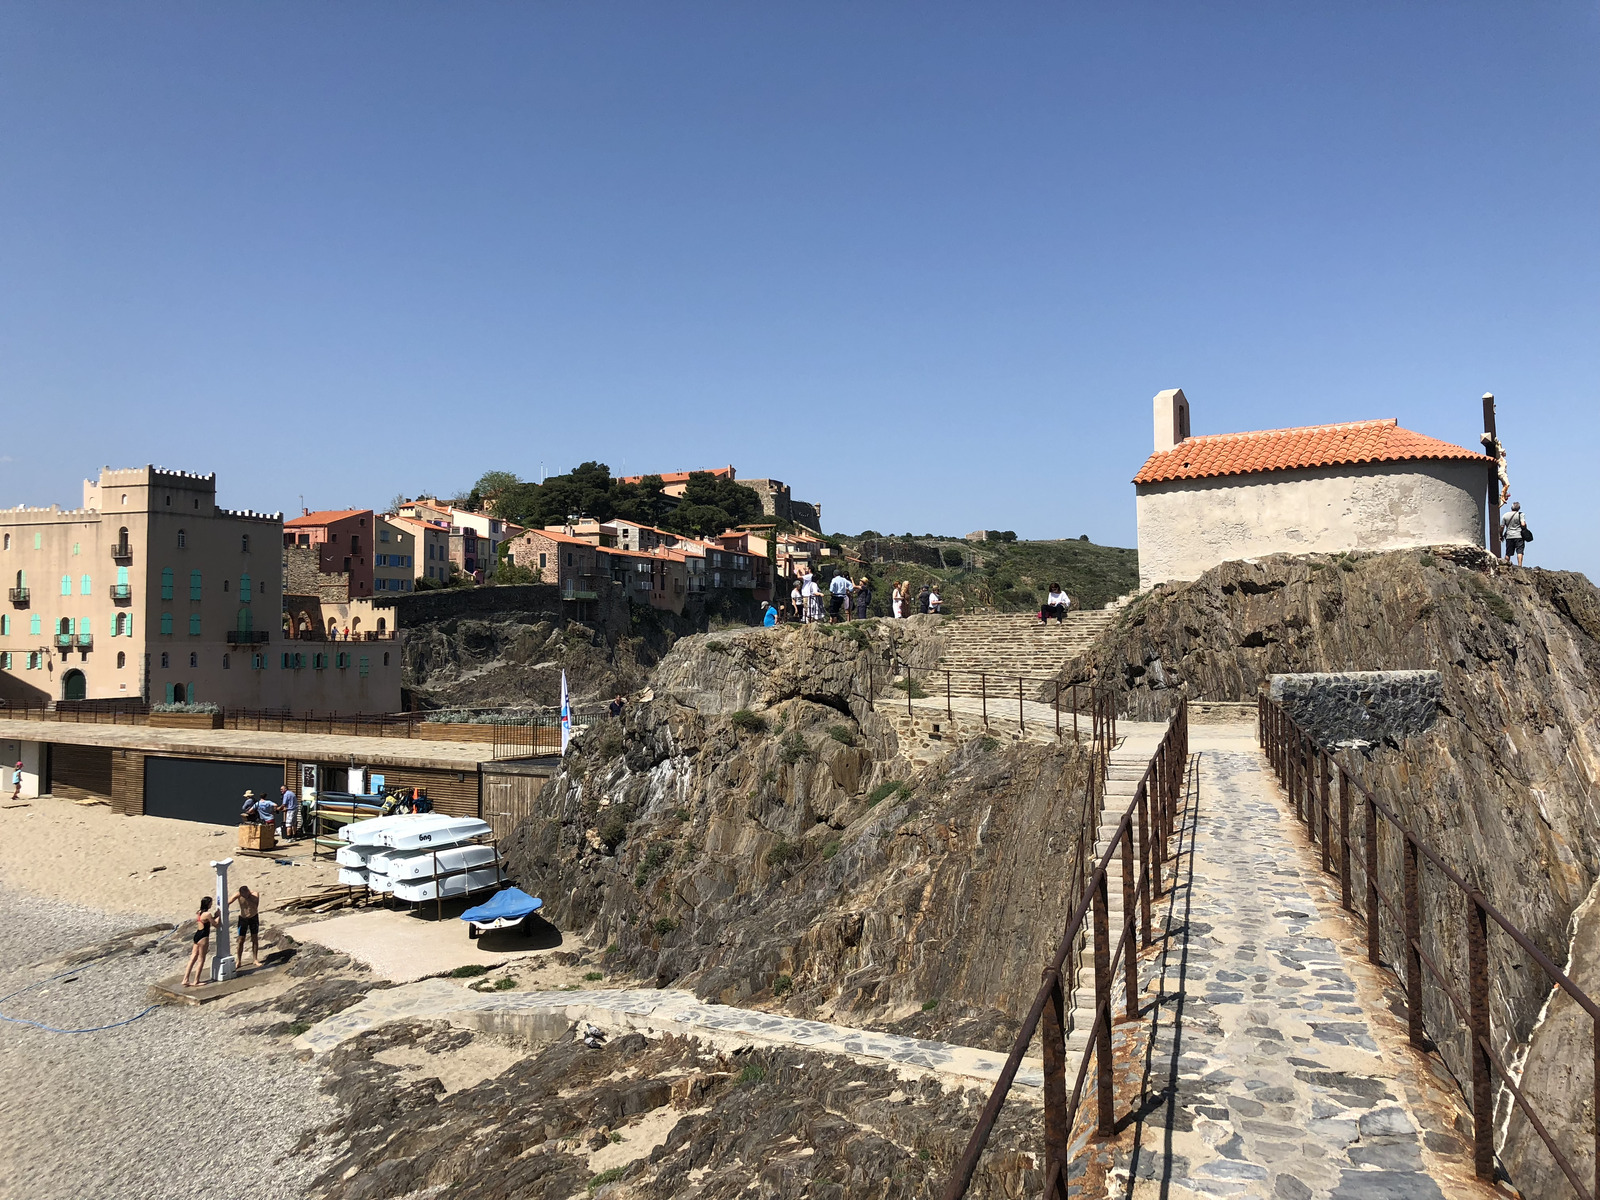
{"x":324,"y":516}
{"x":1344,"y":444}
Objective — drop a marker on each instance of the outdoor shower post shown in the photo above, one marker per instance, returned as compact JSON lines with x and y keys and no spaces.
{"x":223,"y":965}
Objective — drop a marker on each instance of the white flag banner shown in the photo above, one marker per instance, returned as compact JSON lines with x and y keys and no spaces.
{"x":566,"y":715}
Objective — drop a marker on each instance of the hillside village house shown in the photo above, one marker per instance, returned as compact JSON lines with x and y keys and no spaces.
{"x":342,"y":542}
{"x":1361,"y":485}
{"x":474,"y":538}
{"x":430,"y":546}
{"x":151,"y":592}
{"x":394,"y":561}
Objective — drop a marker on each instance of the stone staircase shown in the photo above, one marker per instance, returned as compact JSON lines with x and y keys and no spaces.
{"x":1002,"y":646}
{"x":1125,"y":769}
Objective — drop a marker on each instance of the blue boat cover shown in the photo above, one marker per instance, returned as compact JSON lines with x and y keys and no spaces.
{"x":507,"y":905}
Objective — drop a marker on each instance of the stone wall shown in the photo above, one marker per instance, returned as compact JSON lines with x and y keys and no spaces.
{"x":1357,"y":709}
{"x":303,"y":576}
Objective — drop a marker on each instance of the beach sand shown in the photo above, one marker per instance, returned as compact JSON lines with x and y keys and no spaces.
{"x":87,"y":854}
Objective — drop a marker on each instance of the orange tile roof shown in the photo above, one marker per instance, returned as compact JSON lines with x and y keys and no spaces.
{"x":1295,"y":449}
{"x":328,"y":516}
{"x":682,"y":476}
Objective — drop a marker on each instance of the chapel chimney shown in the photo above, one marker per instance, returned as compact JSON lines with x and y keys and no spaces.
{"x":1172,"y":418}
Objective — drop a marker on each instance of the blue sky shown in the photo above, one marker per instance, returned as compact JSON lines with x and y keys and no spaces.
{"x":925,"y":262}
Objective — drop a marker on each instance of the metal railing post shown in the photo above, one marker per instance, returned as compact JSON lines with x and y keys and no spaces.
{"x":1053,"y":1035}
{"x":949,"y":712}
{"x":1344,"y":839}
{"x":983,"y":688}
{"x":1022,"y":725}
{"x":1374,"y":940}
{"x":1105,"y":1099}
{"x":1130,"y":983}
{"x":1058,"y":710}
{"x":1478,"y":1033}
{"x":1152,"y":885}
{"x":1413,"y":936}
{"x":1322,"y":801}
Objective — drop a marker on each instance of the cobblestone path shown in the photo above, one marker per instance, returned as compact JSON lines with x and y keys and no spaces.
{"x":1265,"y":1075}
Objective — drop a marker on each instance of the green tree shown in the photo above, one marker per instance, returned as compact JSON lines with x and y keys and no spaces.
{"x":491,"y":483}
{"x":711,"y":504}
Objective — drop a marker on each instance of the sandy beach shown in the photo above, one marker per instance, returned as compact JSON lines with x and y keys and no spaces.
{"x":152,"y":866}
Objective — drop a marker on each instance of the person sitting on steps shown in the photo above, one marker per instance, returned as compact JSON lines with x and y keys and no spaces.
{"x":1055,"y":605}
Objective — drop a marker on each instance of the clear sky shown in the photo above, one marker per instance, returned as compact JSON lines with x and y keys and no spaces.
{"x":925,"y":262}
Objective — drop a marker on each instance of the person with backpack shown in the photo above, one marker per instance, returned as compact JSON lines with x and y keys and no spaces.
{"x":1514,"y":533}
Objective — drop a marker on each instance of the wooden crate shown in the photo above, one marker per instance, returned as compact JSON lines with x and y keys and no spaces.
{"x":256,"y":837}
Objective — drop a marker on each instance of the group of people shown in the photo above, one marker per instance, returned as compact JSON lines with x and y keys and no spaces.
{"x":208,"y":919}
{"x":848,"y":599}
{"x":282,"y":813}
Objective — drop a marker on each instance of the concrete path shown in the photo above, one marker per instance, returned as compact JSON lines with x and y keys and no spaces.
{"x":542,"y":1015}
{"x":1269,"y":1073}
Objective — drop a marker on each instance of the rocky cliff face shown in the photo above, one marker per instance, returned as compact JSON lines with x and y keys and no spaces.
{"x":1502,"y":786}
{"x":753,"y":832}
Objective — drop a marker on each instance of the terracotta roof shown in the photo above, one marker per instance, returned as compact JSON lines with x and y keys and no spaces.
{"x":682,"y":476}
{"x":1295,"y":449}
{"x":328,"y":516}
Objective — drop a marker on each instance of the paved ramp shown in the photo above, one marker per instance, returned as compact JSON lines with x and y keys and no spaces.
{"x":1270,"y":1070}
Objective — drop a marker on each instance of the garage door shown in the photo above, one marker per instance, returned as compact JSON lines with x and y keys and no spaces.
{"x":192,"y":789}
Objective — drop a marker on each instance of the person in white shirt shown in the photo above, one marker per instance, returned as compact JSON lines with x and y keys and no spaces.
{"x":812,"y":595}
{"x":933,"y":600}
{"x":794,"y":603}
{"x":1055,"y":605}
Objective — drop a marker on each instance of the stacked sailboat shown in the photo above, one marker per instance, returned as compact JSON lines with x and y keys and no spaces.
{"x":419,"y":856}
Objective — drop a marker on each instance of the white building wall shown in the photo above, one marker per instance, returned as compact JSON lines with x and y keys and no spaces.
{"x":1188,"y":526}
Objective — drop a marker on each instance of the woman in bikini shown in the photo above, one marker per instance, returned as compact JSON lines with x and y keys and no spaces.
{"x":205,"y":920}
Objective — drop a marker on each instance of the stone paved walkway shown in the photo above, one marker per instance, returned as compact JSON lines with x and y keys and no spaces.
{"x":656,"y":1011}
{"x":1265,"y":1074}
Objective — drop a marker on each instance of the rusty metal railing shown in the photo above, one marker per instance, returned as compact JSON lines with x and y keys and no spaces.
{"x":1153,"y":812}
{"x":1074,"y":702}
{"x":1306,"y":771}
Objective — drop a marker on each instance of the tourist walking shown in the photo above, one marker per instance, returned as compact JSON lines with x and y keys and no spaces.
{"x":205,"y":921}
{"x":249,"y":921}
{"x":896,"y":601}
{"x":1514,"y":532}
{"x":1055,"y":605}
{"x":933,"y":600}
{"x":16,"y":781}
{"x":794,"y":602}
{"x":769,"y":615}
{"x":922,"y":598}
{"x":616,"y":706}
{"x":863,"y":597}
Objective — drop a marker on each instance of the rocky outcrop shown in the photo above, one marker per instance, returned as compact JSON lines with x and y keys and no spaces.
{"x":1502,"y":785}
{"x":653,"y":1119}
{"x":755,"y":834}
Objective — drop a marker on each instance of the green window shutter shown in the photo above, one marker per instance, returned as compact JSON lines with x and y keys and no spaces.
{"x":362,"y":669}
{"x":193,"y":698}
{"x":244,"y":589}
{"x":166,"y":583}
{"x":33,"y":624}
{"x":169,"y":693}
{"x":194,"y":585}
{"x":38,"y":540}
{"x":194,"y":624}
{"x":122,"y":576}
{"x":166,"y":622}
{"x":83,"y":626}
{"x":66,"y":585}
{"x":5,"y":626}
{"x":85,"y":587}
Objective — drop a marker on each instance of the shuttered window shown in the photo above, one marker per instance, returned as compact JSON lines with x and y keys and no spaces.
{"x":166,"y":622}
{"x":33,"y":624}
{"x":66,"y":585}
{"x":84,"y":586}
{"x":166,"y":583}
{"x":194,"y":585}
{"x":244,"y":589}
{"x":194,"y":624}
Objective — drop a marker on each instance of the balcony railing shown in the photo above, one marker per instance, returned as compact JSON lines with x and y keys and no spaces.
{"x":122,"y":591}
{"x":19,"y":595}
{"x":122,"y":552}
{"x":64,"y":641}
{"x":246,"y":637}
{"x":85,"y":641}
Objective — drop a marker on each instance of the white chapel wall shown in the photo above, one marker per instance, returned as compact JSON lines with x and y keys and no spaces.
{"x":1188,"y":526}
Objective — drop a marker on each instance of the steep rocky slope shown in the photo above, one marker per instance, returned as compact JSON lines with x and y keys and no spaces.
{"x":1503,"y":786}
{"x":753,"y":833}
